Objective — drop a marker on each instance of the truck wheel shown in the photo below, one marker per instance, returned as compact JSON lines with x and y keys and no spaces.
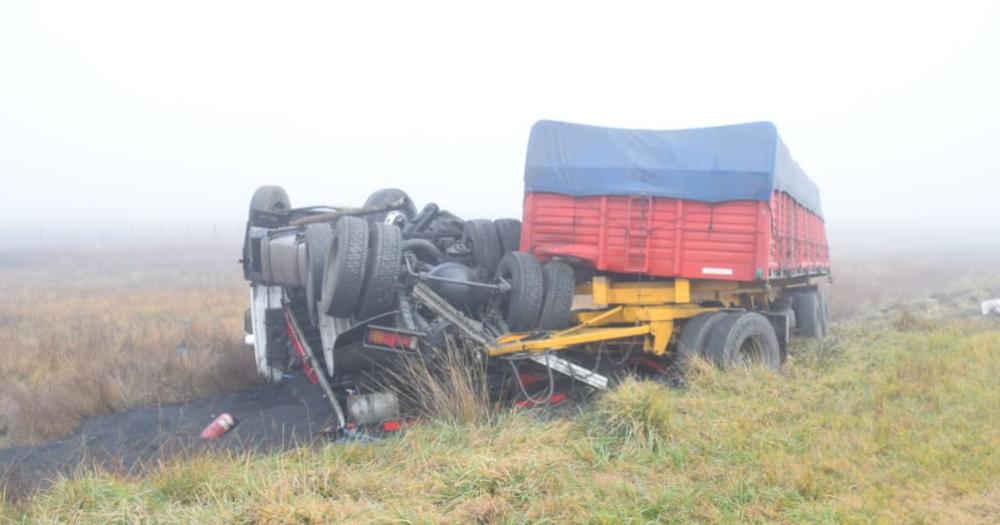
{"x":389,"y":196}
{"x":522,"y":305}
{"x":808,"y":313}
{"x":385,"y":255}
{"x":693,"y":342}
{"x":424,"y":250}
{"x":345,"y":267}
{"x":510,"y":234}
{"x":481,"y":238}
{"x":268,"y":199}
{"x":742,"y":339}
{"x":557,"y":302}
{"x":319,"y":237}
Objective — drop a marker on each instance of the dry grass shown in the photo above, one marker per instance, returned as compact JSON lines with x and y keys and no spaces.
{"x":450,"y":386}
{"x":877,"y":425}
{"x":929,"y":283}
{"x":893,"y":420}
{"x":89,"y":333}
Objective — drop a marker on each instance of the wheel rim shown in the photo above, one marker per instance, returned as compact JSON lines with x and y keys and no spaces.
{"x":504,"y":300}
{"x":751,"y":352}
{"x":469,"y":245}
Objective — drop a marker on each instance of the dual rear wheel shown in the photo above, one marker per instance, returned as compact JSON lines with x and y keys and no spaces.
{"x":540,"y":296}
{"x":361,"y":269}
{"x":729,"y":340}
{"x":489,"y":241}
{"x":740,"y":339}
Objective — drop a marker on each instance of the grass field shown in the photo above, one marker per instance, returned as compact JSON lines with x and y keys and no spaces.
{"x":87,"y":333}
{"x":893,"y":420}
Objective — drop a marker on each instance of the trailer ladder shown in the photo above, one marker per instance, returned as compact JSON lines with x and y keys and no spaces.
{"x":638,"y":222}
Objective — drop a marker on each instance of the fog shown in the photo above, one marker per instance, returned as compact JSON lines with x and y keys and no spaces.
{"x":135,"y":121}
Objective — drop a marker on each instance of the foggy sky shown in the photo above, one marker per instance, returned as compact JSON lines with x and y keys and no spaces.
{"x":141,"y":119}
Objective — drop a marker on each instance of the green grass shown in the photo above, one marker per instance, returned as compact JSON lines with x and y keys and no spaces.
{"x":884,"y":424}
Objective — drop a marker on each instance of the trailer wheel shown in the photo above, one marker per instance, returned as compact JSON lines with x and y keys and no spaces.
{"x":809,"y":316}
{"x":693,"y":342}
{"x":522,"y":305}
{"x":345,"y":267}
{"x":510,"y":234}
{"x":481,"y":238}
{"x":319,"y":237}
{"x":385,"y":255}
{"x":389,"y":196}
{"x":742,"y":339}
{"x":557,"y":302}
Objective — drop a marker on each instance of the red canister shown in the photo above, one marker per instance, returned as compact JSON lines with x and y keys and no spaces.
{"x":219,"y":426}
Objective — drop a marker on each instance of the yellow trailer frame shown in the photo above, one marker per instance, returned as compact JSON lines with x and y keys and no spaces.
{"x":631,"y":309}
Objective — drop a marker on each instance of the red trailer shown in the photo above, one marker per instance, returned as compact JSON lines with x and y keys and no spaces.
{"x":703,"y":241}
{"x":724,"y":203}
{"x":741,"y":240}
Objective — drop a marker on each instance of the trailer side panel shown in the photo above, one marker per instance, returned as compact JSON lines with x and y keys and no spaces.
{"x":745,"y":240}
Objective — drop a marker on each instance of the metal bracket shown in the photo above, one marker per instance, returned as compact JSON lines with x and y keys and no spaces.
{"x":329,"y":329}
{"x":263,"y":298}
{"x":437,"y":304}
{"x":575,"y":371}
{"x":310,"y":359}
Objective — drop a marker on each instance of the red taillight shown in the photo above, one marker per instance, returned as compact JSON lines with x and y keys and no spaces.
{"x":390,"y":339}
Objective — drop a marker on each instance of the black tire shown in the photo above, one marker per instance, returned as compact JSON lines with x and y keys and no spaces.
{"x":424,"y":250}
{"x":385,"y":254}
{"x":559,"y":285}
{"x":693,"y":341}
{"x":345,"y":267}
{"x":247,"y":322}
{"x":319,"y":237}
{"x":481,"y":238}
{"x":269,"y":199}
{"x":743,"y":338}
{"x":808,"y":313}
{"x":510,"y":234}
{"x":389,"y":196}
{"x":522,"y":305}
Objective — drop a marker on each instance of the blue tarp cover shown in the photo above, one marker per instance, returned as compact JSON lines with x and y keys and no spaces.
{"x":725,"y":163}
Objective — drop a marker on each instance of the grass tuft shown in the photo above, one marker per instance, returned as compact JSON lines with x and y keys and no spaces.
{"x":638,"y":411}
{"x":907,"y":321}
{"x":449,"y":386}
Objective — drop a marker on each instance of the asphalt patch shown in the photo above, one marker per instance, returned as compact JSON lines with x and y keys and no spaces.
{"x":271,"y":418}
